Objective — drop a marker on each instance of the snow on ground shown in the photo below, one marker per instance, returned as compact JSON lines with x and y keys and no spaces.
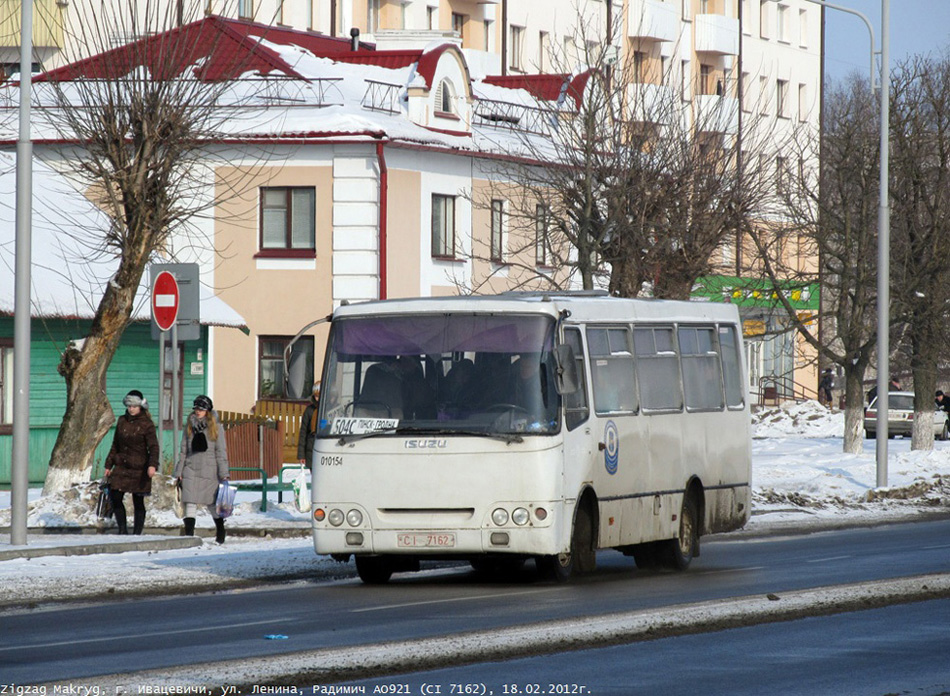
{"x":800,"y":479}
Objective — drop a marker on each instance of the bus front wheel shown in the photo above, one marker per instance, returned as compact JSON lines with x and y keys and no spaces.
{"x":374,"y":570}
{"x":582,"y":557}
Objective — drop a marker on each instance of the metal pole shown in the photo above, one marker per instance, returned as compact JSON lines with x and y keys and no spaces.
{"x":174,"y":408}
{"x":161,"y":396}
{"x":883,"y":256}
{"x":20,"y":465}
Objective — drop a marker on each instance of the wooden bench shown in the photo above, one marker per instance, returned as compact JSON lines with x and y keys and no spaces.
{"x":263,"y":485}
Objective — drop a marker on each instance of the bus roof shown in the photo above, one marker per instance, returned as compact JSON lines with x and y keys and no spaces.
{"x":583,"y":306}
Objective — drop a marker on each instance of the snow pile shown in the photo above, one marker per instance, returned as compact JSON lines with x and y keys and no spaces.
{"x":806,"y":419}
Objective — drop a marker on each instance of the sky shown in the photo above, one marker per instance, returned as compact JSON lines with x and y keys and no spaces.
{"x":916,"y":26}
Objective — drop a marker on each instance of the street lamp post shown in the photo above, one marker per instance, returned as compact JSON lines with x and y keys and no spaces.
{"x":883,"y":232}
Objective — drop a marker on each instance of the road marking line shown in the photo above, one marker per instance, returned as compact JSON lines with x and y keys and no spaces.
{"x":825,"y":560}
{"x":142,"y":635}
{"x":453,"y":599}
{"x":731,"y":570}
{"x":939,"y":546}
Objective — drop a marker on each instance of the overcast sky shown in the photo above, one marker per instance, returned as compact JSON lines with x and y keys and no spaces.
{"x":916,"y":26}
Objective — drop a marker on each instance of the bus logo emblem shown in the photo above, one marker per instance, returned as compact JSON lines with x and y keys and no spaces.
{"x":612,"y":447}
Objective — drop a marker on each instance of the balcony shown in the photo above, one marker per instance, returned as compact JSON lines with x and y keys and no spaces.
{"x":48,"y":18}
{"x":656,"y":104}
{"x":715,"y":114}
{"x":653,"y":20}
{"x":716,"y":34}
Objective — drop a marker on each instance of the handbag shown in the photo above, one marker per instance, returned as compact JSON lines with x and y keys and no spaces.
{"x":104,"y":502}
{"x":224,"y":503}
{"x":301,"y":491}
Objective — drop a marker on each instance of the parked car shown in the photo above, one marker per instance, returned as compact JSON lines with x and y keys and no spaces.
{"x":900,"y":417}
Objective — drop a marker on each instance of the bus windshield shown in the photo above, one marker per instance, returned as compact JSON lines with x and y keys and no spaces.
{"x":440,"y":373}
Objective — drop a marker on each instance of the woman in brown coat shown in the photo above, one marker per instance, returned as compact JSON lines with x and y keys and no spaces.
{"x":132,"y":461}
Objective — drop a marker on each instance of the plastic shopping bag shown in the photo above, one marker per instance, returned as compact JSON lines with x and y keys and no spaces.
{"x":104,"y":502}
{"x":179,"y":505}
{"x":301,"y":491}
{"x":225,"y":500}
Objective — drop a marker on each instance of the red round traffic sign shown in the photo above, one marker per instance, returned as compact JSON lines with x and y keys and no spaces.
{"x":165,"y":300}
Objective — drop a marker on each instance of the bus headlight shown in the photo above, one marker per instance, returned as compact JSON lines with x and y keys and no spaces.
{"x":335,"y":517}
{"x":500,"y":517}
{"x":354,"y":518}
{"x":520,"y":517}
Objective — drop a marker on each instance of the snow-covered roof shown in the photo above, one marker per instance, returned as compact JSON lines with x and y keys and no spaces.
{"x":318,"y":87}
{"x":70,"y":267}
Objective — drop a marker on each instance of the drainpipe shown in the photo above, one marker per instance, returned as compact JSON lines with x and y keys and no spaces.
{"x":383,"y":214}
{"x":355,"y":39}
{"x":504,"y":37}
{"x":333,"y":18}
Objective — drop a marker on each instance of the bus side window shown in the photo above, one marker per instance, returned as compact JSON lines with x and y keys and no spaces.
{"x":576,"y":409}
{"x":612,"y":371}
{"x":702,"y":371}
{"x":658,"y":369}
{"x":731,"y":366}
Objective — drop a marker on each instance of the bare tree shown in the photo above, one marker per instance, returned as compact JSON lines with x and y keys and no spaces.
{"x":131,"y":127}
{"x":837,"y":222}
{"x":920,"y":194}
{"x":628,"y":180}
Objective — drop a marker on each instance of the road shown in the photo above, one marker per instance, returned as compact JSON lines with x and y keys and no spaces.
{"x":897,"y":650}
{"x":72,"y":642}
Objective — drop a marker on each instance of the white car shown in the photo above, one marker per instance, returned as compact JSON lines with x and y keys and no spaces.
{"x":900,"y":419}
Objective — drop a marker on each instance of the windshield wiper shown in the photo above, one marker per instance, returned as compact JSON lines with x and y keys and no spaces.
{"x":507,"y":438}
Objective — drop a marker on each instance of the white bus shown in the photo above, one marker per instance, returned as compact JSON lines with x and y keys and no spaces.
{"x":541,"y":426}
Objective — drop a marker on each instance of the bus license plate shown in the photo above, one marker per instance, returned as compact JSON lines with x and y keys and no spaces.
{"x":425,"y":540}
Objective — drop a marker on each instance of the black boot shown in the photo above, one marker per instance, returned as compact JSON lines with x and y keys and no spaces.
{"x":189,"y":526}
{"x":123,"y":528}
{"x":219,"y":530}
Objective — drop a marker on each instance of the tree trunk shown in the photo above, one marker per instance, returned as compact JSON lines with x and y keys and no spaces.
{"x":854,"y":410}
{"x":925,"y":383}
{"x":88,"y":414}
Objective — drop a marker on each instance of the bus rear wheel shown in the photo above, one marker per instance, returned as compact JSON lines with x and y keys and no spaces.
{"x":679,"y":552}
{"x":374,"y":570}
{"x":582,"y":557}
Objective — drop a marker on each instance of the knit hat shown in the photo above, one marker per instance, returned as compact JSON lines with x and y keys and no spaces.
{"x":203,"y":402}
{"x":134,"y":398}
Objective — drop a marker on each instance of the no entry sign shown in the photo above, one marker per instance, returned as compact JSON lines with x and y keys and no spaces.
{"x":165,"y":300}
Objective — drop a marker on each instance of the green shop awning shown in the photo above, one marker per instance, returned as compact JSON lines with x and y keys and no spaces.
{"x":756,"y":292}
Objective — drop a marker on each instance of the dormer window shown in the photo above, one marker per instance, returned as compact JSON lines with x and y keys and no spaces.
{"x":445,"y":99}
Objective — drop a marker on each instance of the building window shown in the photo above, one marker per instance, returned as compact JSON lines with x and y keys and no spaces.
{"x":310,"y":24}
{"x":639,"y":64}
{"x":542,"y":244}
{"x":372,"y":16}
{"x":685,"y":76}
{"x":497,"y":230}
{"x":705,"y":79}
{"x":432,"y":18}
{"x":781,"y":176}
{"x":245,"y":9}
{"x":6,"y":382}
{"x":489,"y":38}
{"x":802,"y":102}
{"x":764,"y":18}
{"x":783,"y":23}
{"x":445,"y":98}
{"x":543,"y":48}
{"x":288,"y":218}
{"x":803,"y":28}
{"x":687,"y":10}
{"x":781,"y":98}
{"x":745,"y":92}
{"x":443,"y":226}
{"x":517,"y":44}
{"x":763,"y":95}
{"x":280,"y":12}
{"x":271,"y":384}
{"x":458,"y":25}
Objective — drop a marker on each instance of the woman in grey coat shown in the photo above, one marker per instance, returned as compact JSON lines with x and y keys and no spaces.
{"x":203,"y":464}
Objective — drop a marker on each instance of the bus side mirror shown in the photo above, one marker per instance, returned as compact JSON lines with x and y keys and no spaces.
{"x":567,"y":381}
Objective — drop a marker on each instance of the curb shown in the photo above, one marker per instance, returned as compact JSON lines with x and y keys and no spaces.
{"x":90,"y":548}
{"x":333,"y":665}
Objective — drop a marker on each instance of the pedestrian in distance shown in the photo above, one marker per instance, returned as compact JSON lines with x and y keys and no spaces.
{"x":132,"y":461}
{"x":308,"y":427}
{"x":202,"y":465}
{"x":825,"y":387}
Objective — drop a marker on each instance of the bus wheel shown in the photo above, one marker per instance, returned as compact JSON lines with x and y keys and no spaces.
{"x":374,"y":570}
{"x":582,"y":557}
{"x":680,"y":551}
